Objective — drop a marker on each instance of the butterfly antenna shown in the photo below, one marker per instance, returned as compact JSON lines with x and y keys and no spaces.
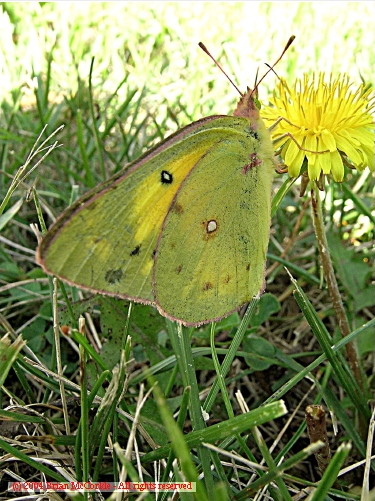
{"x":283,"y":82}
{"x":271,"y":68}
{"x":204,"y":48}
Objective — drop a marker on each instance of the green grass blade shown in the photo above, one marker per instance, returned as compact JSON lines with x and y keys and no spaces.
{"x":182,"y":347}
{"x":281,"y":192}
{"x":179,"y":445}
{"x":273,"y":474}
{"x":344,"y":377}
{"x":297,"y":269}
{"x":221,"y":430}
{"x":38,"y":466}
{"x":8,"y":354}
{"x":229,"y":357}
{"x":358,"y":202}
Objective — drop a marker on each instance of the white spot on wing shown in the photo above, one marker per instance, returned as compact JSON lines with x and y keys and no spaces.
{"x":211,"y":226}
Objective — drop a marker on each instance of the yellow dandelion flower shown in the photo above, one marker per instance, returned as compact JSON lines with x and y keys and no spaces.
{"x":329,"y":124}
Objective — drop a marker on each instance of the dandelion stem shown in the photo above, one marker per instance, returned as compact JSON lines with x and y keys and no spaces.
{"x":332,"y":285}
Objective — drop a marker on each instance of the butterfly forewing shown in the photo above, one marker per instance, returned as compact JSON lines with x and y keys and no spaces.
{"x":106,"y":241}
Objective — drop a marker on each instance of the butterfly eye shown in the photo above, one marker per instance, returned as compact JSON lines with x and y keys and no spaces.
{"x":257,"y":103}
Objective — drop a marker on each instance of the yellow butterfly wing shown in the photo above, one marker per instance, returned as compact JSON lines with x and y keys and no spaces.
{"x":106,"y":241}
{"x":212,"y":249}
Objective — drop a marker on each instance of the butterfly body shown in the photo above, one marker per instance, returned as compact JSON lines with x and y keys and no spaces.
{"x":184,"y":228}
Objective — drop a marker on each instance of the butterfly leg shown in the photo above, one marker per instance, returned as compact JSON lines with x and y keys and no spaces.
{"x":288,"y":134}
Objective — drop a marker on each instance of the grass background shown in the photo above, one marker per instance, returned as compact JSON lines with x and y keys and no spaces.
{"x":148,"y":79}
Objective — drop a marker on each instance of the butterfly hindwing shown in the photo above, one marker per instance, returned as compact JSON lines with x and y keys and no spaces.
{"x":212,"y":249}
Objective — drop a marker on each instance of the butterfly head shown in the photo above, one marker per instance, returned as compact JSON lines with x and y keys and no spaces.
{"x":249,"y":105}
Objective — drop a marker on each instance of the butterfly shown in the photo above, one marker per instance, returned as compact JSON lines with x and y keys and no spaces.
{"x":184,"y":228}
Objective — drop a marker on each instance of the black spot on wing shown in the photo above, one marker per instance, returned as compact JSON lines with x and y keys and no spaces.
{"x":113,"y":276}
{"x":253,"y":133}
{"x":166,"y":177}
{"x":136,"y":251}
{"x":244,"y":239}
